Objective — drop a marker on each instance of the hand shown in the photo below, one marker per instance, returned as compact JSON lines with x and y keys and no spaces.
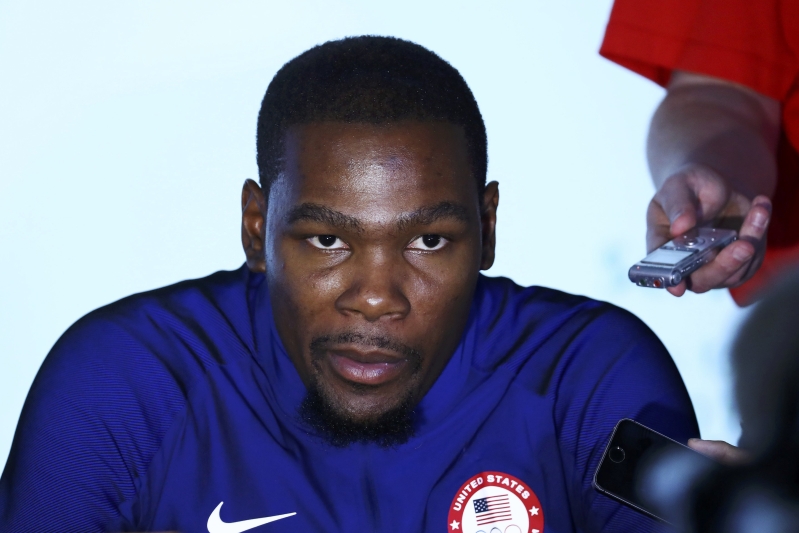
{"x":721,"y":451}
{"x":697,"y":195}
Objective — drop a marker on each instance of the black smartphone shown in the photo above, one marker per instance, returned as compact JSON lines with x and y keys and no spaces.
{"x":632,"y":449}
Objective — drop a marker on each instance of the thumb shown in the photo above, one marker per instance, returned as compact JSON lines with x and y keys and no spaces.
{"x":720,"y":451}
{"x":680,"y":205}
{"x":683,"y":220}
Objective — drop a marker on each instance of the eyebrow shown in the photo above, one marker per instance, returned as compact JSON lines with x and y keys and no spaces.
{"x":324,"y":215}
{"x":423,"y":216}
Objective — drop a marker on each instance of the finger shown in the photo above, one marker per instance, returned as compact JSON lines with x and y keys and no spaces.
{"x":679,"y":289}
{"x":753,"y":230}
{"x":680,"y":205}
{"x":732,"y":261}
{"x":741,"y":275}
{"x":719,"y":450}
{"x":684,"y":222}
{"x":740,"y":259}
{"x":756,"y":222}
{"x":658,"y":226}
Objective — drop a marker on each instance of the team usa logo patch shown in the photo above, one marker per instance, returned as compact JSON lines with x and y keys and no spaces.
{"x":494,"y":502}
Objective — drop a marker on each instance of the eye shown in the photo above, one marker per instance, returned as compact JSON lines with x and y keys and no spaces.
{"x":327,"y":242}
{"x":428,"y":243}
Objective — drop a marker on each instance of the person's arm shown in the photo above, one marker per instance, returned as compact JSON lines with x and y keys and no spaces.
{"x":616,"y":368}
{"x":712,"y":155}
{"x":92,"y":421}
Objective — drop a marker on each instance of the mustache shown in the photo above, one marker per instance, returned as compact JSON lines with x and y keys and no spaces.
{"x":324,"y":342}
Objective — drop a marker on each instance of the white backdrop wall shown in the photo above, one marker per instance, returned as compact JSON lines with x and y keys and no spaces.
{"x":127,"y":130}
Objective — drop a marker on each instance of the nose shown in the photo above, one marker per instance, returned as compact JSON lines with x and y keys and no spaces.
{"x":375,"y":291}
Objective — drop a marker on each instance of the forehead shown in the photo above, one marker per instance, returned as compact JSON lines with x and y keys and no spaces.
{"x":403,"y":164}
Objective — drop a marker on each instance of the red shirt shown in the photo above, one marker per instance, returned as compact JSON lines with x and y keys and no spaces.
{"x":753,"y":43}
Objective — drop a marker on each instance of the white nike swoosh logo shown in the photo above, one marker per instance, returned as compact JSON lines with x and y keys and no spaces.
{"x":216,"y":525}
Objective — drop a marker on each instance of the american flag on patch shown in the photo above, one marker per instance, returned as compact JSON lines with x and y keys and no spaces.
{"x":492,"y":509}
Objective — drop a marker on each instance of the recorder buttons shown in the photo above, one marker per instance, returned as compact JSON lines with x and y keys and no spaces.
{"x":616,"y":454}
{"x":690,"y":240}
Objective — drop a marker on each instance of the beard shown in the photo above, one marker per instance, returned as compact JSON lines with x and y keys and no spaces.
{"x":338,"y":425}
{"x":391,"y":428}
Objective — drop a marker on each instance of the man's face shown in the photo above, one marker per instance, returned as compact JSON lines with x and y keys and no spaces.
{"x":374,"y":238}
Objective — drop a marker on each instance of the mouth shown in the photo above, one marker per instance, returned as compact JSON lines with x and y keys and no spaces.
{"x":366,"y":368}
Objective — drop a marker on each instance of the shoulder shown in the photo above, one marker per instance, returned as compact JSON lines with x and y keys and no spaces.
{"x":521,"y":321}
{"x":166,"y":324}
{"x":596,"y":361}
{"x":108,"y":393}
{"x":142,"y":354}
{"x":145,"y":349}
{"x":593,"y":364}
{"x":575,"y":349}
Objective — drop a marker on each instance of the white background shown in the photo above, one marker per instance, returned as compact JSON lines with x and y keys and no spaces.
{"x":127,"y":129}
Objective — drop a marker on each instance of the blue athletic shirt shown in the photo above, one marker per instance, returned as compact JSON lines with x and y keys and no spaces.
{"x":151,"y":412}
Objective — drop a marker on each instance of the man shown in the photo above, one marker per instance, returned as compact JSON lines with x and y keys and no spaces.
{"x":724,"y":142}
{"x":358,"y":374}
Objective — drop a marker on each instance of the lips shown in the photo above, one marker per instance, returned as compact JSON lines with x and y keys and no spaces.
{"x":366,"y":368}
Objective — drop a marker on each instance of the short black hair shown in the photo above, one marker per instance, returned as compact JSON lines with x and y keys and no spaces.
{"x":367,"y":79}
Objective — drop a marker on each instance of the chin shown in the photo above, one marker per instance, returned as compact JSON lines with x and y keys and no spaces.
{"x":343,"y":419}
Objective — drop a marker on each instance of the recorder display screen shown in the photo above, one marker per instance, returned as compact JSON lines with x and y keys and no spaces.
{"x":666,"y":257}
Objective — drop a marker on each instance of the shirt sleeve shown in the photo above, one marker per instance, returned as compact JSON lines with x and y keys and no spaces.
{"x":93,"y":419}
{"x":617,"y":369}
{"x":737,"y":40}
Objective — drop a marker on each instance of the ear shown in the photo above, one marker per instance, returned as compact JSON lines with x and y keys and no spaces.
{"x":253,"y":213}
{"x":488,"y":217}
